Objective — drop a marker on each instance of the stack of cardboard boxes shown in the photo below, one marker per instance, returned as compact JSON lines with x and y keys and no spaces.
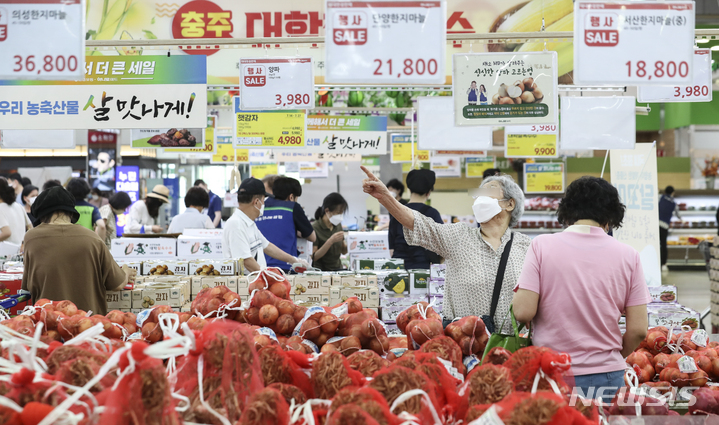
{"x":664,"y":310}
{"x":401,"y":289}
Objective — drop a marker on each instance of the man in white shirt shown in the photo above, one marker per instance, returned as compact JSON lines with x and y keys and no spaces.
{"x":196,"y":200}
{"x":241,"y":239}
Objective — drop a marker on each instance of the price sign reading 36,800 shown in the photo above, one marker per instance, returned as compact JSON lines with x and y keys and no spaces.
{"x":276,"y":83}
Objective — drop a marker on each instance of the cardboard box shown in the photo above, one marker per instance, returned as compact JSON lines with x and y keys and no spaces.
{"x":117,"y":300}
{"x":311,"y":283}
{"x":393,"y":330}
{"x":236,"y":284}
{"x":663,"y":294}
{"x":159,"y":294}
{"x":186,"y":307}
{"x":359,"y":280}
{"x":436,"y":287}
{"x":399,"y":300}
{"x":135,"y":265}
{"x":368,"y":242}
{"x":672,"y":316}
{"x":418,"y":282}
{"x":226,"y":267}
{"x":143,"y":248}
{"x":203,"y":233}
{"x":437,"y":271}
{"x":174,"y":267}
{"x":379,"y":264}
{"x":353,"y":257}
{"x":389,"y":314}
{"x":199,"y":247}
{"x":368,"y":295}
{"x":314,"y":299}
{"x":397,"y":283}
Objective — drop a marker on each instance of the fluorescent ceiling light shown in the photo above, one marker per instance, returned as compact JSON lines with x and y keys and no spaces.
{"x":702,"y":40}
{"x":715,"y":48}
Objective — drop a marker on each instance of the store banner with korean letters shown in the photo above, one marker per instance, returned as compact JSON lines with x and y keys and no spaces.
{"x":356,"y":134}
{"x":119,"y":92}
{"x":640,"y":227}
{"x":193,"y":19}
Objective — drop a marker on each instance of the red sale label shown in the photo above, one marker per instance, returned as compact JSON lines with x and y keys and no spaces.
{"x":276,"y":83}
{"x":601,"y":29}
{"x":350,"y":29}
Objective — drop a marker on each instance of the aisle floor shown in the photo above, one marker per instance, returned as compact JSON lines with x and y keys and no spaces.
{"x":692,"y":289}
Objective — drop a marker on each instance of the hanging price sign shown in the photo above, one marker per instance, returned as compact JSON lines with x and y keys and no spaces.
{"x":385,"y":42}
{"x":402,"y":150}
{"x":276,"y":83}
{"x":29,"y":52}
{"x":626,"y":42}
{"x":544,"y":178}
{"x":259,"y":171}
{"x":531,"y":141}
{"x":700,"y":89}
{"x":256,"y":129}
{"x":475,"y":166}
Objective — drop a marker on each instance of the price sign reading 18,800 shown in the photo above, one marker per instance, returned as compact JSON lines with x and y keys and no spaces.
{"x":700,"y":89}
{"x":386,"y":42}
{"x":276,"y":83}
{"x":629,"y":42}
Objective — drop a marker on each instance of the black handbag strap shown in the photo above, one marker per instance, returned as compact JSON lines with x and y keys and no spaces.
{"x":500,"y":277}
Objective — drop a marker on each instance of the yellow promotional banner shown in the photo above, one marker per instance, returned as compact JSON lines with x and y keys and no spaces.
{"x":475,"y":166}
{"x":225,"y":153}
{"x":402,"y":150}
{"x":531,"y":145}
{"x":544,"y":178}
{"x":255,"y":129}
{"x":259,"y":171}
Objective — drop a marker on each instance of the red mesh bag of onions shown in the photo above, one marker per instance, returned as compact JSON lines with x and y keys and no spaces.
{"x":272,"y":279}
{"x":266,"y":407}
{"x":225,"y":363}
{"x":469,"y":333}
{"x":218,"y":301}
{"x":540,"y":369}
{"x":282,"y":367}
{"x":409,"y":391}
{"x":268,"y":310}
{"x":367,"y":362}
{"x":420,"y":323}
{"x":317,"y":326}
{"x":485,"y":385}
{"x":351,"y":414}
{"x":331,"y":372}
{"x":537,"y":409}
{"x":365,"y":328}
{"x":368,"y":400}
{"x":77,"y":365}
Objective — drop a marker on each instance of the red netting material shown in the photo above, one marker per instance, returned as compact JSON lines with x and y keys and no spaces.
{"x":485,"y":385}
{"x":266,"y":407}
{"x":527,"y":362}
{"x":279,"y":366}
{"x":351,"y":414}
{"x":538,"y":409}
{"x":446,"y":392}
{"x":469,"y":333}
{"x":209,"y":300}
{"x":393,"y":381}
{"x":331,"y":372}
{"x":76,"y":365}
{"x":447,"y":349}
{"x":368,"y":400}
{"x":367,"y":362}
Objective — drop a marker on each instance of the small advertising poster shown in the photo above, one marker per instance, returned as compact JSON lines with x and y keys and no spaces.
{"x":505,"y":88}
{"x":544,"y":178}
{"x":475,"y":166}
{"x":446,"y":166}
{"x":209,"y":142}
{"x":403,"y":150}
{"x":356,"y":134}
{"x":178,"y":138}
{"x":101,"y":155}
{"x":314,"y":170}
{"x":257,"y":129}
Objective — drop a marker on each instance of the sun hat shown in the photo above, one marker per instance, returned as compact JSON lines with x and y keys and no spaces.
{"x":160,"y":192}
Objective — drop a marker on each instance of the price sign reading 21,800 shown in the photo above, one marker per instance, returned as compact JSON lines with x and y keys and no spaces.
{"x":276,"y":83}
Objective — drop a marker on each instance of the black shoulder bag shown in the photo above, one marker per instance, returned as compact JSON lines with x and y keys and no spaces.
{"x":489,"y":320}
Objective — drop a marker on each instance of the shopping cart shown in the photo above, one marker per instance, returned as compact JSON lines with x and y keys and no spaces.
{"x":11,"y":301}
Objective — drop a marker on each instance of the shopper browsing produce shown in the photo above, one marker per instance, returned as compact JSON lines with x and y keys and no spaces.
{"x":15,"y":182}
{"x":29,"y":193}
{"x":667,"y":208}
{"x":214,"y":210}
{"x":66,"y":262}
{"x":576,"y":284}
{"x":13,"y":218}
{"x":241,"y":239}
{"x":472,"y":255}
{"x":90,"y":217}
{"x":268,"y":181}
{"x":119,"y":202}
{"x":330,"y":243}
{"x":196,"y":200}
{"x":97,"y":198}
{"x":420,"y":184}
{"x":143,"y":214}
{"x":284,"y":220}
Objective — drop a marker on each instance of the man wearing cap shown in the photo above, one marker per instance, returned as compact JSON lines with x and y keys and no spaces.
{"x":241,"y":239}
{"x":66,"y":262}
{"x":420,"y":184}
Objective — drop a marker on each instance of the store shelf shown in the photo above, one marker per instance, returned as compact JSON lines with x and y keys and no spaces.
{"x":693,"y":231}
{"x":682,"y":246}
{"x":697,"y":212}
{"x":533,"y":212}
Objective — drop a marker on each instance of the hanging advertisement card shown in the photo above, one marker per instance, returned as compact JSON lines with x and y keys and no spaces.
{"x":37,"y":139}
{"x":209,"y":148}
{"x":225,"y":153}
{"x":276,"y":83}
{"x":627,"y":42}
{"x":356,"y":134}
{"x":256,"y":129}
{"x":446,"y":166}
{"x":314,"y":170}
{"x":27,"y":50}
{"x":436,"y":127}
{"x":544,"y":178}
{"x":385,"y":42}
{"x":640,"y":228}
{"x":127,"y":179}
{"x":101,"y":155}
{"x":294,"y":156}
{"x":117,"y":92}
{"x":259,"y":171}
{"x":598,"y":122}
{"x":189,"y":138}
{"x":531,"y":141}
{"x":700,"y":89}
{"x":475,"y":166}
{"x":402,"y":149}
{"x":505,"y":88}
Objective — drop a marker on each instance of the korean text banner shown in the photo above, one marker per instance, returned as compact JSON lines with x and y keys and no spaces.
{"x":118,"y":92}
{"x":356,"y":134}
{"x":187,"y":138}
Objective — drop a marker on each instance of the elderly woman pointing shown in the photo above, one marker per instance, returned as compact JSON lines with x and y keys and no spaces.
{"x":478,"y":259}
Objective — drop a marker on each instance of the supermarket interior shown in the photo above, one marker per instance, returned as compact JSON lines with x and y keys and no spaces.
{"x":381,"y":212}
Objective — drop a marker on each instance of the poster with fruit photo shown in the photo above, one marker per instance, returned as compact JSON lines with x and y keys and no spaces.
{"x":190,"y":138}
{"x":505,"y":88}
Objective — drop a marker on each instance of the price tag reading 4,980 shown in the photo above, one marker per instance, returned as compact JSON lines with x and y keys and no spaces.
{"x":386,"y":42}
{"x":630,"y":42}
{"x":700,"y":89}
{"x":531,"y":141}
{"x":276,"y":83}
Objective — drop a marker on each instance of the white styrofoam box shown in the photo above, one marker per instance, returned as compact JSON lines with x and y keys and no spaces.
{"x":368,"y":242}
{"x":437,"y":271}
{"x":311,"y":283}
{"x":203,"y":233}
{"x":399,"y":300}
{"x":389,"y":314}
{"x":143,"y":248}
{"x":436,"y":287}
{"x":418,"y":282}
{"x":304,"y":247}
{"x":177,"y":267}
{"x":199,"y":247}
{"x":318,"y":299}
{"x":225,"y":267}
{"x":367,"y":295}
{"x":233,"y":283}
{"x":117,"y":300}
{"x":135,"y":265}
{"x":663,"y":294}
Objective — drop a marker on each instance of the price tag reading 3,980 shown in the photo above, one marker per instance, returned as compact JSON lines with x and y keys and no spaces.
{"x":386,"y":42}
{"x":42,"y":39}
{"x":700,"y":89}
{"x":629,"y":42}
{"x":531,"y":141}
{"x":276,"y":83}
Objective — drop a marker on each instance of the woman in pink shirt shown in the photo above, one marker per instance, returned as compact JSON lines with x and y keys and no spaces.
{"x":576,"y":284}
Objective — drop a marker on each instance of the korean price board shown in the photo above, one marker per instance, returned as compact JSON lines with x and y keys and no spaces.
{"x":638,"y":43}
{"x":700,"y":89}
{"x":276,"y":83}
{"x":475,"y":166}
{"x":257,"y":129}
{"x":385,"y":42}
{"x":531,"y":141}
{"x":544,"y":178}
{"x":42,"y":39}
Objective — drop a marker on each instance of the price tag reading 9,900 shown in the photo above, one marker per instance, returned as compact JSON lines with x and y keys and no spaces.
{"x":531,"y":141}
{"x":26,"y":49}
{"x":629,"y":42}
{"x":700,"y":89}
{"x":276,"y":83}
{"x":385,"y":42}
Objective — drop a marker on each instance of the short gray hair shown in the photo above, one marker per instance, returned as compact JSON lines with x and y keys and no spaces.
{"x":511,"y":190}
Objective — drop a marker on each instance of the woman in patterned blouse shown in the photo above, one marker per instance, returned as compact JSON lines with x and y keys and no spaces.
{"x":472,"y":254}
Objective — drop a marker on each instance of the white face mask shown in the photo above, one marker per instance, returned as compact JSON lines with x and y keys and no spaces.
{"x":394,"y":194}
{"x":485,"y":208}
{"x":261,"y":209}
{"x":32,"y":200}
{"x":95,"y":197}
{"x":336,"y":219}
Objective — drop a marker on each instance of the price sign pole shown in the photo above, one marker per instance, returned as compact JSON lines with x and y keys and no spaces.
{"x":544,"y":178}
{"x":626,"y":42}
{"x":700,"y":90}
{"x":531,"y":141}
{"x":385,"y":42}
{"x":276,"y":83}
{"x":42,"y":39}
